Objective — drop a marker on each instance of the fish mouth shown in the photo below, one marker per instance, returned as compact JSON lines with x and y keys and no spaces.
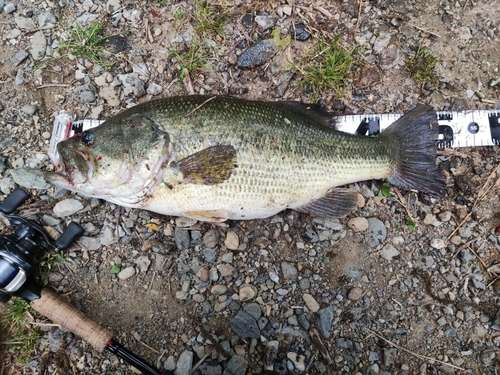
{"x":72,"y":169}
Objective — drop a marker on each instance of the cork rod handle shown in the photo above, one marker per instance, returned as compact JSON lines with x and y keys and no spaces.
{"x":62,"y":312}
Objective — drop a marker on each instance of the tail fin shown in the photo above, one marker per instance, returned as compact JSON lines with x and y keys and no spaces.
{"x":415,"y":134}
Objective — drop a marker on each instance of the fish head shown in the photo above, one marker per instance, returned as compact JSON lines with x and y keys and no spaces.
{"x":121,"y":158}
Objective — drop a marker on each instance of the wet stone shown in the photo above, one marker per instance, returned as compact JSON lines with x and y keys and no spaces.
{"x":237,"y":365}
{"x":325,"y":318}
{"x":299,"y":32}
{"x":253,"y":309}
{"x":245,"y":325}
{"x":377,"y":232}
{"x":343,"y":343}
{"x":181,"y":237}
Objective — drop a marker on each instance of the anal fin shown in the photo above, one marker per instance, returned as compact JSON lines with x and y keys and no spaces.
{"x":336,"y":203}
{"x":216,"y":216}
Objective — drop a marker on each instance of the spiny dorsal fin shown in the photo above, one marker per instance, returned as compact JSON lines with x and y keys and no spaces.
{"x":336,"y":203}
{"x":210,"y":166}
{"x":313,"y":110}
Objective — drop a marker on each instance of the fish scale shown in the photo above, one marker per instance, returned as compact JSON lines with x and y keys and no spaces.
{"x":229,"y":158}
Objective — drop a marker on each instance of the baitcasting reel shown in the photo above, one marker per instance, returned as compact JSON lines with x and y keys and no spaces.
{"x":18,"y":254}
{"x":19,"y":250}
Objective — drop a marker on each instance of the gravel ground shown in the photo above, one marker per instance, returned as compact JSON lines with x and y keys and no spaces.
{"x":292,"y":294}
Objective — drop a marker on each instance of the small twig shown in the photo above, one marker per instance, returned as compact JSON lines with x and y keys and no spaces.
{"x":424,"y":30}
{"x":403,"y":203}
{"x":201,"y":105}
{"x":319,"y":344}
{"x":313,"y":359}
{"x":359,"y":17}
{"x":202,"y":360}
{"x":494,"y":280}
{"x":477,"y":256}
{"x":53,"y":85}
{"x":160,"y":357}
{"x":483,"y":192}
{"x":413,"y":353}
{"x":147,"y":346}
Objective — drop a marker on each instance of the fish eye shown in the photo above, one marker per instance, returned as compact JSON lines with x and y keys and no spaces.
{"x":88,"y":138}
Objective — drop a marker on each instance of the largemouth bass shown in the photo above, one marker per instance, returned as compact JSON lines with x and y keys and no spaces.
{"x":214,"y":158}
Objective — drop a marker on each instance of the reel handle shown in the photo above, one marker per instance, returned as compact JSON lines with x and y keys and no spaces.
{"x":57,"y":309}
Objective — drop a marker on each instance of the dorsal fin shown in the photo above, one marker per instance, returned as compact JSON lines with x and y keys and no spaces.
{"x":314,"y":110}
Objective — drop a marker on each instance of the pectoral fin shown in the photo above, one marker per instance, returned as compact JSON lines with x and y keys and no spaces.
{"x":336,"y":203}
{"x":210,"y":166}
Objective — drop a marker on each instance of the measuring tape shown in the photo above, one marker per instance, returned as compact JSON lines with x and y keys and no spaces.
{"x":456,"y":129}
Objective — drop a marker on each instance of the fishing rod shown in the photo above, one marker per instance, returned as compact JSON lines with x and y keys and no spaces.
{"x":18,"y":252}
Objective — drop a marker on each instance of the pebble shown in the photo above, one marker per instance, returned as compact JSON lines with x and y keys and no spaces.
{"x":237,"y":365}
{"x":110,"y":95}
{"x":154,"y":89}
{"x":289,"y":270}
{"x":184,"y":363}
{"x":46,"y":20}
{"x":19,"y":57}
{"x":265,"y":22}
{"x":247,"y":292}
{"x":29,"y":109}
{"x":225,"y":270}
{"x":29,"y":178}
{"x":245,"y":325}
{"x":298,"y":361}
{"x":25,"y":23}
{"x":377,"y":232}
{"x":9,"y":8}
{"x":182,"y":239}
{"x":438,"y":243}
{"x":38,"y":45}
{"x":218,"y":289}
{"x":325,"y":318}
{"x":85,"y":93}
{"x":253,"y":309}
{"x":388,"y":252}
{"x":132,"y":85}
{"x":107,"y":236}
{"x":358,"y":224}
{"x":444,"y":216}
{"x":232,"y":241}
{"x":169,"y":364}
{"x":112,"y":6}
{"x":211,"y":238}
{"x":90,"y":243}
{"x":343,"y":343}
{"x":298,"y":32}
{"x":355,"y":294}
{"x":126,"y":273}
{"x":67,"y":207}
{"x":311,"y":303}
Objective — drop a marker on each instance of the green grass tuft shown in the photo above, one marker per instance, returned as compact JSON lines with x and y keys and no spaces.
{"x":327,"y":65}
{"x":422,"y":65}
{"x":21,"y":337}
{"x":192,"y":59}
{"x":86,"y":42}
{"x":208,"y":20}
